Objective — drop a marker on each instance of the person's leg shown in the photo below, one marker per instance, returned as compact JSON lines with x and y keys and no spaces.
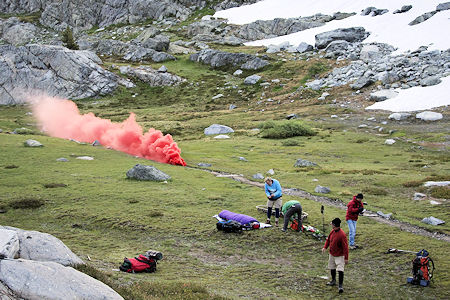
{"x":278,"y":204}
{"x":298,"y":210}
{"x":287,"y":217}
{"x":332,"y":267}
{"x":340,"y":262}
{"x":341,"y":281}
{"x":269,"y":210}
{"x":351,"y":230}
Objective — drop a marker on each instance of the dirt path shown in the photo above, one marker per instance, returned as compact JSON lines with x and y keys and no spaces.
{"x":339,"y":204}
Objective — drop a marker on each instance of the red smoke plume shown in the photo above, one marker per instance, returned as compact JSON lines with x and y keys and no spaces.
{"x":61,"y":118}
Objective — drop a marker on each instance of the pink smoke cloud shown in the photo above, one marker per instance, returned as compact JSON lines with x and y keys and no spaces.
{"x":61,"y":118}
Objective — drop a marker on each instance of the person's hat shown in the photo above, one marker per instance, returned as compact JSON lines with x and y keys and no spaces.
{"x":336,"y":222}
{"x":360,"y":196}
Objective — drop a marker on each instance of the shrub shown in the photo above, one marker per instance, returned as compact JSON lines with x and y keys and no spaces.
{"x":290,"y":143}
{"x":284,"y":129}
{"x":54,"y":185}
{"x":375,"y":191}
{"x":27,"y":203}
{"x":413,"y":183}
{"x":441,"y":192}
{"x":68,"y":40}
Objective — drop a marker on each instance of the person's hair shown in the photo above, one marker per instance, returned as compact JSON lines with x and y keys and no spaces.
{"x":268,"y":178}
{"x":336,"y":222}
{"x":360,"y":196}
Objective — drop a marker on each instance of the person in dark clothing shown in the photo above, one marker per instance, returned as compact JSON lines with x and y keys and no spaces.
{"x":354,"y":208}
{"x":290,"y":210}
{"x":338,"y":257}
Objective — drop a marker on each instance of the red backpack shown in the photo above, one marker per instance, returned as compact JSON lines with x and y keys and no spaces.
{"x":138,"y":264}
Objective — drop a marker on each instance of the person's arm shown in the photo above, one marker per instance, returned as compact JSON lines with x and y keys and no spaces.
{"x":276,"y":185}
{"x":266,"y":188}
{"x":351,"y":208}
{"x":345,"y":245}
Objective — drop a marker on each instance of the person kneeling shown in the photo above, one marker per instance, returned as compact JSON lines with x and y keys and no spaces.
{"x":290,"y":210}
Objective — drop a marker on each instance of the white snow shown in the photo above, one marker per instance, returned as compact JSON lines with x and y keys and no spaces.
{"x":388,"y":28}
{"x":417,"y":98}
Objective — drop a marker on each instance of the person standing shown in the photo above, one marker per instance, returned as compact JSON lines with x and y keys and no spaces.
{"x":292,"y":210}
{"x":354,"y":208}
{"x":273,"y":192}
{"x":338,"y":256}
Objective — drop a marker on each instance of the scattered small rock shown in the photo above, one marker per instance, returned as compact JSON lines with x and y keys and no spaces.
{"x":252,"y":79}
{"x":204,"y":165}
{"x":217,"y":129}
{"x":142,"y":172}
{"x":383,"y":215}
{"x":271,"y":172}
{"x":242,"y":158}
{"x":322,"y":189}
{"x":32,"y":143}
{"x":389,"y":141}
{"x":433,"y":221}
{"x":304,"y":163}
{"x":85,"y":158}
{"x":399,"y":116}
{"x":429,"y":116}
{"x":419,"y":196}
{"x":258,"y":176}
{"x":221,"y":136}
{"x":62,"y":159}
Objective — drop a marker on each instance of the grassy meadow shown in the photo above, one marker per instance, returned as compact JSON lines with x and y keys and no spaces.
{"x":103,"y":216}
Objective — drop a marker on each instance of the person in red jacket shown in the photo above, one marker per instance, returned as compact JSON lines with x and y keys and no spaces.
{"x":338,"y":257}
{"x":354,"y":208}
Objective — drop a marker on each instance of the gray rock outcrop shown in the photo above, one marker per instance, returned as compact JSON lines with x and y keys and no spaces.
{"x":57,"y":70}
{"x":217,"y":129}
{"x":383,"y":95}
{"x":322,"y":189}
{"x":26,"y":279}
{"x":217,"y":59}
{"x":9,"y":244}
{"x":17,"y":33}
{"x":81,"y":14}
{"x":304,"y":163}
{"x":252,"y":79}
{"x":147,"y":173}
{"x":429,"y":116}
{"x":151,"y":76}
{"x":35,"y":245}
{"x":353,"y":34}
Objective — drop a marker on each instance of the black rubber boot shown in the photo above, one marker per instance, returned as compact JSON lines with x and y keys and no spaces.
{"x":333,"y":278}
{"x":341,"y":282}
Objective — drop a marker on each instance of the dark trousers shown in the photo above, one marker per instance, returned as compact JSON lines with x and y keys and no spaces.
{"x":297,"y":208}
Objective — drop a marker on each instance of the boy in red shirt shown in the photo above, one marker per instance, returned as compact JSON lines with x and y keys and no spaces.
{"x":338,"y":257}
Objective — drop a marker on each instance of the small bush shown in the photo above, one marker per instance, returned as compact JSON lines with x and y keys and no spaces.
{"x":290,"y":143}
{"x":284,"y":129}
{"x":441,"y":192}
{"x":27,"y":203}
{"x":54,"y":185}
{"x":68,"y":40}
{"x":11,"y":167}
{"x":413,"y":183}
{"x":375,"y":191}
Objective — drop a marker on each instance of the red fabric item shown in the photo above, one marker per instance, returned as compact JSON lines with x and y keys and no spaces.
{"x":337,"y":241}
{"x":352,"y":209}
{"x":140,"y":266}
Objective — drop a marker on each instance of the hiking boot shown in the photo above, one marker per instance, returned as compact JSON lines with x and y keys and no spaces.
{"x":331,"y":283}
{"x":341,"y":289}
{"x":268,"y":221}
{"x":276,"y":223}
{"x":352,"y":247}
{"x":282,"y":229}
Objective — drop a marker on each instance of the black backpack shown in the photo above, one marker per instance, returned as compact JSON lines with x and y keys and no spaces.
{"x":229,"y":226}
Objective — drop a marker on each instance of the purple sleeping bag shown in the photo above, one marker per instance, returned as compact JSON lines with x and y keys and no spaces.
{"x":243,"y":219}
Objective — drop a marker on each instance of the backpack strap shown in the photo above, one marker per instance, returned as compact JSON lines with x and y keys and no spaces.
{"x":145,"y":262}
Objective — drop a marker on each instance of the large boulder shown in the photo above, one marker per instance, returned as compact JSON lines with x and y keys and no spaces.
{"x":9,"y":243}
{"x":217,"y":129}
{"x":217,"y":59}
{"x":147,"y":173}
{"x":383,"y":95}
{"x":54,"y":69}
{"x":352,"y":35}
{"x":17,"y":33}
{"x":35,"y":245}
{"x":28,"y":279}
{"x":151,"y":76}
